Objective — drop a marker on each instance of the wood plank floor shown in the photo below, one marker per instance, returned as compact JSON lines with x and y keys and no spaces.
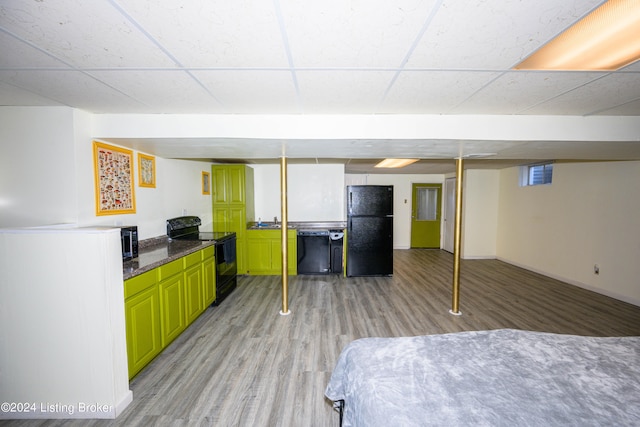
{"x":243,"y":364}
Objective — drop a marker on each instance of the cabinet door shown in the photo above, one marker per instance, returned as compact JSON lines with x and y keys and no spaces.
{"x":194,"y":300}
{"x":209,"y":277}
{"x":259,"y":256}
{"x":237,"y":224}
{"x":236,"y":184}
{"x":142,"y":318}
{"x":276,"y":254}
{"x":221,"y":220}
{"x":220,"y":185}
{"x":292,"y":249}
{"x":172,"y":308}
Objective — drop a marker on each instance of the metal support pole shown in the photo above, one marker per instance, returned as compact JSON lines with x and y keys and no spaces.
{"x":457,"y":238}
{"x":284,"y":230}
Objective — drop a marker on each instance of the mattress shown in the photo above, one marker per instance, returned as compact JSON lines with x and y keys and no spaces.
{"x":500,"y":377}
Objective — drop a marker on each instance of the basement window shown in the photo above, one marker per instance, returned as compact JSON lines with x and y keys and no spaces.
{"x":537,"y":174}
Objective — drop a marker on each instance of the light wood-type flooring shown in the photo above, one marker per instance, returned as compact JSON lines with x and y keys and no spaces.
{"x":244,"y":364}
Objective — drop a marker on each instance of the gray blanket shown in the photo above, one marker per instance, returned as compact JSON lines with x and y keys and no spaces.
{"x":489,"y":378}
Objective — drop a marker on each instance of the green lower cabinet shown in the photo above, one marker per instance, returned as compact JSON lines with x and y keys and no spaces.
{"x":142,"y":313}
{"x":172,"y":305}
{"x":264,"y":252}
{"x":161,"y":303}
{"x":194,"y":300}
{"x":259,"y":254}
{"x":208,"y":276}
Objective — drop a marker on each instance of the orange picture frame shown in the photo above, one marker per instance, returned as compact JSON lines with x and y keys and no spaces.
{"x":146,"y":171}
{"x":206,"y":183}
{"x":113,"y":173}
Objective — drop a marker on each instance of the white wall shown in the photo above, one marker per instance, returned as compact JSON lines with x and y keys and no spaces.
{"x":37,"y":166}
{"x":402,"y":196}
{"x":46,"y":176}
{"x":178,"y":190}
{"x":588,"y":215}
{"x":317,"y":193}
{"x":314,"y":192}
{"x":480,"y":213}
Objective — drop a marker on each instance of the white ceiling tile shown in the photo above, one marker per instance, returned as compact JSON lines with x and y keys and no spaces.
{"x":82,"y":33}
{"x":493,"y":34}
{"x":434,"y":92}
{"x":632,"y":67}
{"x":12,"y":95}
{"x":356,"y":33}
{"x":17,"y":54}
{"x":602,"y":94}
{"x":631,"y":108}
{"x":180,"y":92}
{"x":73,"y":88}
{"x":342,"y":92}
{"x":514,"y":91}
{"x":214,"y":33}
{"x":231,"y":57}
{"x":242,"y":91}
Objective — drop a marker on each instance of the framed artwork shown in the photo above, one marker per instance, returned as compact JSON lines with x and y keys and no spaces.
{"x":206,"y":183}
{"x":113,"y":171}
{"x":146,"y":171}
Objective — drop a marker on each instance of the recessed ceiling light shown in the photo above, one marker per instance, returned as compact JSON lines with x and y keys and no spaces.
{"x":605,"y":40}
{"x":395,"y":163}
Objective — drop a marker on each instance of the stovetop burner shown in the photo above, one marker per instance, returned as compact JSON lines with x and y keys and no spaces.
{"x":188,"y":228}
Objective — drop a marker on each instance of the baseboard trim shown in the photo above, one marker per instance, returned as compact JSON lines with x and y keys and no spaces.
{"x":605,"y":292}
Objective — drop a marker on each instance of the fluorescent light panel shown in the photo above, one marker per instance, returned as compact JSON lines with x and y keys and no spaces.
{"x":605,"y":40}
{"x":395,"y":163}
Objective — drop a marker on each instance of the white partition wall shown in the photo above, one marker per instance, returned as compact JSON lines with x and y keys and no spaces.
{"x":62,"y":328}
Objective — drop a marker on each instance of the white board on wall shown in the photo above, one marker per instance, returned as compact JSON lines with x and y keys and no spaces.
{"x":314,"y":192}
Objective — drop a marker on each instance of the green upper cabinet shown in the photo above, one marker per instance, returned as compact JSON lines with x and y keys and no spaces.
{"x":233,"y":204}
{"x":229,"y":184}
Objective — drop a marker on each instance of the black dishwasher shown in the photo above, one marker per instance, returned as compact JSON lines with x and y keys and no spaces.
{"x":314,"y":256}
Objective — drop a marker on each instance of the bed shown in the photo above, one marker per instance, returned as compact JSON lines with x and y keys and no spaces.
{"x":501,"y":377}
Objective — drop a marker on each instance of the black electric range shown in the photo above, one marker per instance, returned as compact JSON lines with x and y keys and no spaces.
{"x":188,"y":228}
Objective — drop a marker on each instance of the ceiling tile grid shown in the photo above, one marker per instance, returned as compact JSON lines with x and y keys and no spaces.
{"x":516,"y":92}
{"x":441,"y":57}
{"x":609,"y":91}
{"x":493,"y":34}
{"x":212,"y":34}
{"x":286,"y":56}
{"x":353,"y":34}
{"x":81,"y":34}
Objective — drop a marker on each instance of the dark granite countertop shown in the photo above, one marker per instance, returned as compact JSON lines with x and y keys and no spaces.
{"x":300,"y":225}
{"x":157,"y":251}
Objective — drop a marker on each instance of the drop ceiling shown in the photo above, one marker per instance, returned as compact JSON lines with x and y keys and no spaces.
{"x":288,"y":57}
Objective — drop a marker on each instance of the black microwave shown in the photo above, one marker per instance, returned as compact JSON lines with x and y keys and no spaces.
{"x":129,"y":239}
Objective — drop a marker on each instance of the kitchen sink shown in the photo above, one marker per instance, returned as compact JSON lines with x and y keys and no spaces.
{"x":269,"y":227}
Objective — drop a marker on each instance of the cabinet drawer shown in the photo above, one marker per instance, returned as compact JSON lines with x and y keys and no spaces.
{"x":166,"y":270}
{"x":208,"y":252}
{"x":192,"y":259}
{"x":139,"y":283}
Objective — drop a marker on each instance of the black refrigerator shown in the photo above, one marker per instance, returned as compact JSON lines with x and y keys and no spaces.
{"x":369,"y":230}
